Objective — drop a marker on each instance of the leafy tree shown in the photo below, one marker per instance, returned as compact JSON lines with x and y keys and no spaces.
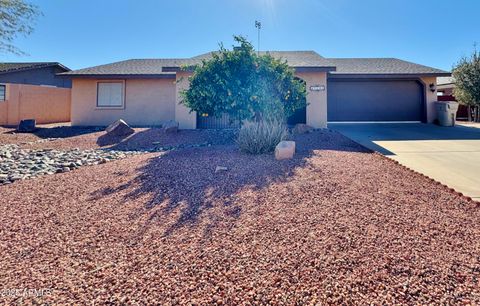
{"x":244,"y":85}
{"x":16,"y":17}
{"x":467,"y":83}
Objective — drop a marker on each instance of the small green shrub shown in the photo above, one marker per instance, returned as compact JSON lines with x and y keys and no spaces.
{"x":261,"y":137}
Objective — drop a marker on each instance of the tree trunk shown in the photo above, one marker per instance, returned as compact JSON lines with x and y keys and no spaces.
{"x":475,"y":114}
{"x":469,"y":112}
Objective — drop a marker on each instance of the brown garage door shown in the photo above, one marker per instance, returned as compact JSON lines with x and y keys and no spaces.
{"x":375,"y":100}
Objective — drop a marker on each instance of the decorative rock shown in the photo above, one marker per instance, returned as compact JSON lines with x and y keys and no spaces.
{"x":119,"y":128}
{"x":27,"y":126}
{"x":170,"y":126}
{"x":15,"y":177}
{"x":285,"y":150}
{"x":220,"y":168}
{"x":302,"y":128}
{"x":18,"y":164}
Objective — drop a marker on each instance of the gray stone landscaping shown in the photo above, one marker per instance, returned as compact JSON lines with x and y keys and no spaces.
{"x":19,"y":164}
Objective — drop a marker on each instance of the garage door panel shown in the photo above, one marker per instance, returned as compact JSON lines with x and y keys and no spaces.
{"x":375,"y":101}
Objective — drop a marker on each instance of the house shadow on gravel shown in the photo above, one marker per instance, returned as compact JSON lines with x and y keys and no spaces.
{"x":61,"y":131}
{"x":183,"y":188}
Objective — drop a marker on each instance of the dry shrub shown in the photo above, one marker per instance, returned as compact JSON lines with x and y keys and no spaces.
{"x":261,"y":137}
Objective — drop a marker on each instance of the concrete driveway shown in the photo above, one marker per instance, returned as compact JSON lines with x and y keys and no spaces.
{"x":449,"y":155}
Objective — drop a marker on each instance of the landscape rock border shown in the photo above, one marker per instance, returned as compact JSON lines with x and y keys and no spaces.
{"x":17,"y":163}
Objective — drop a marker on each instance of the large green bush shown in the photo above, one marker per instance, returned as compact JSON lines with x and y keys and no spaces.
{"x":257,"y":137}
{"x":244,"y":85}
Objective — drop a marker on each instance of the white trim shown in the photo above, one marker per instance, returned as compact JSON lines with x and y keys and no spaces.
{"x":4,"y":92}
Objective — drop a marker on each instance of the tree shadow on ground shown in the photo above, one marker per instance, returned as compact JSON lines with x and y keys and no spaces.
{"x":182,"y":186}
{"x":156,"y":139}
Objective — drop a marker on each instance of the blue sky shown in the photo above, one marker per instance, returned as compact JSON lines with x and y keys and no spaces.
{"x":84,"y":33}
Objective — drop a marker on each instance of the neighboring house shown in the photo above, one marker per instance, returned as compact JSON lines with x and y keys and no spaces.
{"x":40,"y":73}
{"x":445,"y":86}
{"x":45,"y":104}
{"x":147,"y":91}
{"x":34,"y":91}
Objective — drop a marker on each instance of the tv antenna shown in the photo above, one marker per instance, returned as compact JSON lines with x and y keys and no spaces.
{"x":258,"y":25}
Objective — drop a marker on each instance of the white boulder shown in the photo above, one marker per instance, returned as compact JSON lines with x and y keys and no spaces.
{"x":285,"y":150}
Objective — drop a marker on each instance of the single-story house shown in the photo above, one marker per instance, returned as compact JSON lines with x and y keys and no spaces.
{"x":146,"y":91}
{"x":37,"y":73}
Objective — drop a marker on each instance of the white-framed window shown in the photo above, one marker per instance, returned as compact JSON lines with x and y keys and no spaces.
{"x":110,"y":94}
{"x":3,"y":92}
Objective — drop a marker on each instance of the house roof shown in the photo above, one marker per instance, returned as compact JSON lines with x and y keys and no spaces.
{"x":131,"y":67}
{"x":300,"y":60}
{"x":294,"y":58}
{"x":168,"y":67}
{"x":379,"y":66}
{"x":14,"y":67}
{"x":445,"y":81}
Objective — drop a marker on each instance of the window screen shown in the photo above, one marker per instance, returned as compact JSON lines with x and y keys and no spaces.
{"x":2,"y":92}
{"x":110,"y":94}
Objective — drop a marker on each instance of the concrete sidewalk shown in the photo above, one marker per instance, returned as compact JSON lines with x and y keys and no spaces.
{"x":449,"y":155}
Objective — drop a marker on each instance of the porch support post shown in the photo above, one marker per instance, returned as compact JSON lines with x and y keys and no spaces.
{"x":186,"y":119}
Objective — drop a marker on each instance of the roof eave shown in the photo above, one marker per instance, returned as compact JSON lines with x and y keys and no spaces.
{"x":297,"y":69}
{"x":445,"y":86}
{"x":314,"y":68}
{"x":64,"y":67}
{"x":179,"y":69}
{"x":388,"y":75}
{"x":118,"y":76}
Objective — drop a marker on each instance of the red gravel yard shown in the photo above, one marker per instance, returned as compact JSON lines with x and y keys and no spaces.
{"x":335,"y":225}
{"x":66,"y":137}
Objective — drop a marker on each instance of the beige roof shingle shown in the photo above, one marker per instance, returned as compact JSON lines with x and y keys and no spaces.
{"x":296,"y":59}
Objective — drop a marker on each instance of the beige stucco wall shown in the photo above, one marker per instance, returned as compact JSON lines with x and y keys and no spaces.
{"x":146,"y":102}
{"x":317,"y":100}
{"x":45,"y":104}
{"x":431,"y":98}
{"x":185,"y":118}
{"x":153,"y":101}
{"x":316,"y":108}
